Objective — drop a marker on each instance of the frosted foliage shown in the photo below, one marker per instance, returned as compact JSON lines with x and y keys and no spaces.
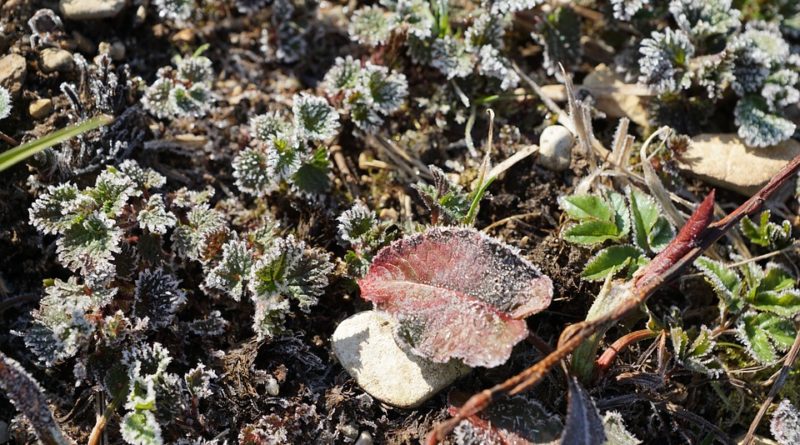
{"x":457,"y":293}
{"x":505,"y":6}
{"x":517,"y":420}
{"x":704,"y":18}
{"x":663,"y":61}
{"x":158,"y":296}
{"x":785,"y":424}
{"x":625,"y":9}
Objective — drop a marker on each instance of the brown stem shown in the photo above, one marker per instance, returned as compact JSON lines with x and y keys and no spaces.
{"x":609,"y":355}
{"x":100,"y":423}
{"x":695,"y":237}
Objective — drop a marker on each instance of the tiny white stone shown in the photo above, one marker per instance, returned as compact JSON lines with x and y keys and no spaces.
{"x":555,"y":148}
{"x":365,"y":346}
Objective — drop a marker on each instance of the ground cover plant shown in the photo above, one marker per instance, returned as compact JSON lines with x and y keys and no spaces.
{"x":195,"y":194}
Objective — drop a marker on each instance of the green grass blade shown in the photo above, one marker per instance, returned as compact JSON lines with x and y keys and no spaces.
{"x":10,"y":157}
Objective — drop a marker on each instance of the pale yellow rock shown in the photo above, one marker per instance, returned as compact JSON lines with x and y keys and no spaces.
{"x":365,"y":346}
{"x":725,"y":161}
{"x":40,"y":108}
{"x":615,"y":97}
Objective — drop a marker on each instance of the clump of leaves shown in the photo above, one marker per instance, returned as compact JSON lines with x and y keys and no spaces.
{"x":610,"y":216}
{"x":761,"y":303}
{"x":182,"y":91}
{"x":367,"y":93}
{"x":765,"y":233}
{"x":360,"y":230}
{"x":456,"y":293}
{"x":785,"y":424}
{"x":288,"y":151}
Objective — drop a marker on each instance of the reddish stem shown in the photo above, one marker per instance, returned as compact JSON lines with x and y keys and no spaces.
{"x":609,"y":355}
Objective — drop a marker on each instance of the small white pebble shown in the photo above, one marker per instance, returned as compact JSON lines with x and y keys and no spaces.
{"x":365,"y":438}
{"x":273,"y":388}
{"x":555,"y":148}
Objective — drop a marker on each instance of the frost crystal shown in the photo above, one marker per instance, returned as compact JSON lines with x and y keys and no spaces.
{"x":5,"y":103}
{"x":198,"y":381}
{"x":355,"y":223}
{"x":664,"y":60}
{"x":492,"y":64}
{"x":785,"y":424}
{"x":499,"y":7}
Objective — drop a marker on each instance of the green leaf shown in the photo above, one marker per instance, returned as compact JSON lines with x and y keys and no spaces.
{"x":767,"y":234}
{"x":726,"y":282}
{"x":587,"y":207}
{"x":17,"y":154}
{"x":312,"y":176}
{"x":141,"y":428}
{"x":775,"y":293}
{"x":610,"y":261}
{"x":652,"y":232}
{"x":592,"y":232}
{"x":762,"y":333}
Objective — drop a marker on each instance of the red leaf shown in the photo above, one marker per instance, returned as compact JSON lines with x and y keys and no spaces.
{"x":456,"y":292}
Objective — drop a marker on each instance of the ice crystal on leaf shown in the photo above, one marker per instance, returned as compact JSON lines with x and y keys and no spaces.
{"x":155,"y":217}
{"x":181,"y":91}
{"x":202,"y":226}
{"x":158,"y":297}
{"x":703,"y":18}
{"x":626,"y":9}
{"x":355,"y":223}
{"x":177,"y":10}
{"x":758,"y":125}
{"x":456,"y":293}
{"x":233,"y":270}
{"x":785,"y":424}
{"x":664,"y":60}
{"x":450,"y":56}
{"x":499,"y":7}
{"x":314,"y":118}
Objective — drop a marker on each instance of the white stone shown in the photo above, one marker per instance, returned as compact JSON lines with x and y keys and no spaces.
{"x":725,"y":161}
{"x":91,"y":9}
{"x":54,"y":59}
{"x":365,"y":346}
{"x":555,"y":148}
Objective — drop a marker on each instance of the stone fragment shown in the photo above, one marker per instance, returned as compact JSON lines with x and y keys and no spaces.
{"x":555,"y":148}
{"x":55,"y":59}
{"x":40,"y":108}
{"x":615,"y":97}
{"x":12,"y":73}
{"x":725,"y":161}
{"x":365,"y":346}
{"x":91,"y":9}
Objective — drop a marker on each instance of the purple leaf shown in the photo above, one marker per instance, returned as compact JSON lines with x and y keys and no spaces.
{"x":456,"y":292}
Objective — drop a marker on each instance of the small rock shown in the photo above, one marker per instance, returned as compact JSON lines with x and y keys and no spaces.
{"x":725,"y":161}
{"x":90,"y":9}
{"x":55,"y":59}
{"x":365,"y":438}
{"x":12,"y":73}
{"x":40,"y":108}
{"x":273,"y":388}
{"x":365,"y":346}
{"x":555,"y":148}
{"x":615,"y":97}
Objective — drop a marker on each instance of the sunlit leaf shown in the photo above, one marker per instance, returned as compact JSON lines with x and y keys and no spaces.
{"x":456,"y":292}
{"x":611,"y":260}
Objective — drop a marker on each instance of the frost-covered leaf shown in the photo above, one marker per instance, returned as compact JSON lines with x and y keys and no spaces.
{"x":155,"y":217}
{"x":449,"y":55}
{"x":704,"y":19}
{"x":694,"y":350}
{"x":616,"y":432}
{"x":371,"y":25}
{"x":355,"y":223}
{"x":203,"y":225}
{"x":500,"y":7}
{"x":611,"y":260}
{"x":90,"y":245}
{"x":583,"y":424}
{"x":785,"y":424}
{"x":141,"y":428}
{"x":560,"y":34}
{"x":29,"y":399}
{"x":198,"y":380}
{"x":312,"y":176}
{"x":651,"y":231}
{"x":763,"y":333}
{"x":286,"y":270}
{"x":314,"y":119}
{"x":232,"y":271}
{"x":252,"y":170}
{"x":725,"y":281}
{"x":54,"y":211}
{"x":626,"y":9}
{"x":774,"y":291}
{"x":759,"y":126}
{"x":456,"y":292}
{"x":157,"y":296}
{"x":664,"y":61}
{"x":144,"y":178}
{"x":767,"y":233}
{"x":517,"y":420}
{"x":444,"y":199}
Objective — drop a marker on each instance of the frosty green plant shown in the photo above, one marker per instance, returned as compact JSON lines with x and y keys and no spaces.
{"x":635,"y":218}
{"x":761,"y":301}
{"x":288,"y":150}
{"x":184,"y":90}
{"x":766,"y":233}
